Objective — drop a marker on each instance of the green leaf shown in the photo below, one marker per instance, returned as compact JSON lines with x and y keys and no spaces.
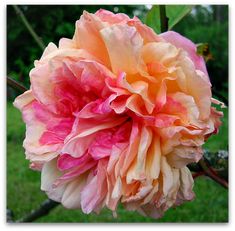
{"x":174,"y":13}
{"x":153,"y":19}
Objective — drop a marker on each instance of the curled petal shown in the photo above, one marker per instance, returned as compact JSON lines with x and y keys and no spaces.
{"x":181,"y":42}
{"x":129,"y":43}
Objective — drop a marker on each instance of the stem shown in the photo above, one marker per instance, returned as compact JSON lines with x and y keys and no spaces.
{"x":197,"y":174}
{"x":28,"y":26}
{"x":10,"y":216}
{"x":212,"y":173}
{"x":43,"y":210}
{"x":14,"y":84}
{"x":163,"y":18}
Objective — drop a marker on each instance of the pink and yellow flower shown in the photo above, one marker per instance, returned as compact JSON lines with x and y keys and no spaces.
{"x":115,"y":114}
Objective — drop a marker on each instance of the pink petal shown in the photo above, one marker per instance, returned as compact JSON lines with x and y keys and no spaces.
{"x":95,"y":191}
{"x":65,"y":161}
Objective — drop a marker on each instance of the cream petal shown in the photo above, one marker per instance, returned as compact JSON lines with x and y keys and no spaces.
{"x":72,"y":194}
{"x":198,"y":86}
{"x":167,"y":174}
{"x":49,"y":174}
{"x":124,"y":45}
{"x":23,"y":99}
{"x":186,"y":185}
{"x":137,"y":170}
{"x":162,"y":52}
{"x":153,"y":159}
{"x":181,"y":156}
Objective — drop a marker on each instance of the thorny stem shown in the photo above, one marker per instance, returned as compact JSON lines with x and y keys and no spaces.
{"x":17,"y":86}
{"x":29,"y":27}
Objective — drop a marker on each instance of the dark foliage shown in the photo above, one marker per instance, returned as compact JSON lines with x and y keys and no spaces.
{"x":51,"y":22}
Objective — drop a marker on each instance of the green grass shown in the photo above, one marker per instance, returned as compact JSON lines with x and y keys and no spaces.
{"x":23,"y":187}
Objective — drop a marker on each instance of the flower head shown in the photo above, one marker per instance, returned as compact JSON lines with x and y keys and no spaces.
{"x":115,"y":114}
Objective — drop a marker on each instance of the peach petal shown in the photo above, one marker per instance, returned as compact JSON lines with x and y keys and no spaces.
{"x":114,"y":115}
{"x":181,"y":156}
{"x":87,"y":36}
{"x":129,"y":43}
{"x":181,"y":42}
{"x":110,"y":17}
{"x":153,"y":159}
{"x":137,"y":169}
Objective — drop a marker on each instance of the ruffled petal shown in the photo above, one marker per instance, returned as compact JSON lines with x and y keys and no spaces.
{"x":127,"y":40}
{"x":181,"y":42}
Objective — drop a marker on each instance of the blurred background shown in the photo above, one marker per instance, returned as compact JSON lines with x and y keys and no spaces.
{"x":205,"y":24}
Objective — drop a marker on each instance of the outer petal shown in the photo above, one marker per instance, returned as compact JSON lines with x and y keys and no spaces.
{"x":87,"y":36}
{"x":71,"y":198}
{"x":181,"y":156}
{"x":49,"y":174}
{"x":197,"y":86}
{"x":35,"y":129}
{"x":167,"y":174}
{"x":95,"y":191}
{"x":111,"y":18}
{"x":23,"y":100}
{"x":181,"y":42}
{"x":186,"y":186}
{"x":147,"y":33}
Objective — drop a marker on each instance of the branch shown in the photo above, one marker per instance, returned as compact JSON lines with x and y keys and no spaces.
{"x":210,"y":172}
{"x":10,"y":216}
{"x":213,"y":165}
{"x":163,"y":18}
{"x":28,"y":26}
{"x":43,"y":210}
{"x":203,"y":167}
{"x":17,"y":86}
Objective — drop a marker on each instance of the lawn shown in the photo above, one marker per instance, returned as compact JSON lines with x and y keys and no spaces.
{"x":23,"y":187}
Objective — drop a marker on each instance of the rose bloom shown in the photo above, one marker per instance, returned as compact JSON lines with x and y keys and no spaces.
{"x":115,"y":114}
